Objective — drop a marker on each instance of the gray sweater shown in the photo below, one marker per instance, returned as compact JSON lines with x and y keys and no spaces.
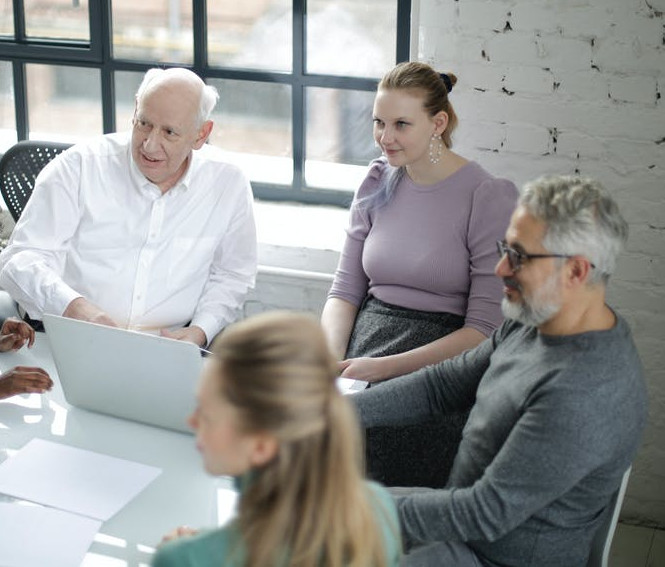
{"x":556,"y":420}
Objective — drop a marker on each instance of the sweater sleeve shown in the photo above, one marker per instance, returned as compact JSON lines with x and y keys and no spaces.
{"x":547,"y":454}
{"x":493,"y":203}
{"x":351,"y":282}
{"x":430,"y":392}
{"x":208,"y":547}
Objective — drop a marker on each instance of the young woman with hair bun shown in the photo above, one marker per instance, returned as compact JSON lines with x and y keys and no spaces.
{"x":415,"y":282}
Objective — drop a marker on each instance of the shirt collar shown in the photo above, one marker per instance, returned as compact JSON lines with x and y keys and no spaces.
{"x":186,"y":180}
{"x":144,"y":183}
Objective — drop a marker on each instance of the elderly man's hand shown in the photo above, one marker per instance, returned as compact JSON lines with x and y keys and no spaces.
{"x":24,"y":380}
{"x":84,"y":310}
{"x":192,"y":334}
{"x":15,"y":333}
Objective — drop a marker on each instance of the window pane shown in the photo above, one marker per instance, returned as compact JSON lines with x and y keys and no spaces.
{"x":340,"y":143}
{"x":160,"y":30}
{"x":250,"y":34}
{"x":7,"y":117}
{"x":57,"y":19}
{"x":351,"y":38}
{"x":64,"y":103}
{"x":253,"y":124}
{"x":126,"y":85}
{"x":6,"y":19}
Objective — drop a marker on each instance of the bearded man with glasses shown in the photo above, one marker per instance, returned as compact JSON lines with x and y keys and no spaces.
{"x":557,"y":398}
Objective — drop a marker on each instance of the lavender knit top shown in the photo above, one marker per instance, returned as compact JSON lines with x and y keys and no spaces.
{"x":430,"y":248}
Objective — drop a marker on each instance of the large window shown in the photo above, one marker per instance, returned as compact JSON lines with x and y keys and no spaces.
{"x":296,"y":77}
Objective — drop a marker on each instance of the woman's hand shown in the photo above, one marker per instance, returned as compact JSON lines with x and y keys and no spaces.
{"x":181,"y":531}
{"x":24,"y":380}
{"x":391,"y":366}
{"x":366,"y":368}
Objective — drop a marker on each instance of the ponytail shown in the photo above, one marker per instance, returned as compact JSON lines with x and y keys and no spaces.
{"x":310,"y":502}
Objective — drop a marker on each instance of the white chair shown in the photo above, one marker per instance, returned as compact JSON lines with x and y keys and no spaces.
{"x":602,"y":541}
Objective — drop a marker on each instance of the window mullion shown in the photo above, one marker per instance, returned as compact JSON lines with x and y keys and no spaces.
{"x":101,"y":43}
{"x":299,"y":103}
{"x":403,"y":47}
{"x":20,"y":100}
{"x":19,"y":21}
{"x":200,"y":26}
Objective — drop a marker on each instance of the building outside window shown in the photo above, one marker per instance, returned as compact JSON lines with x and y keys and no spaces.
{"x":296,"y":78}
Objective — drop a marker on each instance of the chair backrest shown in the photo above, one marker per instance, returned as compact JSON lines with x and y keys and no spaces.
{"x":602,"y":541}
{"x":19,"y":167}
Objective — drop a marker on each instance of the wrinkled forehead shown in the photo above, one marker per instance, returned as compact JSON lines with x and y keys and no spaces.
{"x":183,"y":80}
{"x":168,"y":106}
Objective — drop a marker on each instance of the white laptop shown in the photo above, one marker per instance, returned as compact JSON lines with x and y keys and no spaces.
{"x":127,"y":374}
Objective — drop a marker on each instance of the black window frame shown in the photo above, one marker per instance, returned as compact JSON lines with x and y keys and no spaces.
{"x":98,"y":54}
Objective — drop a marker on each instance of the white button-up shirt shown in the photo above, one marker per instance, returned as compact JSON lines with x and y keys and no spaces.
{"x":96,"y":228}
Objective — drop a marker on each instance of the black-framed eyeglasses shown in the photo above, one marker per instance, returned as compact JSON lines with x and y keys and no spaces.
{"x":516,"y":258}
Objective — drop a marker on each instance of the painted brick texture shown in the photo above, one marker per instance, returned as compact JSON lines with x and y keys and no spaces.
{"x":575,"y":87}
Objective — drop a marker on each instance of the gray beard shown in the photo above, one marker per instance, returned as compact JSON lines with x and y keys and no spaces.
{"x":536,"y":310}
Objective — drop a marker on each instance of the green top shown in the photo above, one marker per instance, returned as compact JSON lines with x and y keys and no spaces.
{"x":214,"y":548}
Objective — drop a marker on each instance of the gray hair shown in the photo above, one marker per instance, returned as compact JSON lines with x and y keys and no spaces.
{"x":581,"y":217}
{"x":209,"y":94}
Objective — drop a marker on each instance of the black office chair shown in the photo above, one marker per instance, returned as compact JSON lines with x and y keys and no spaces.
{"x":19,"y":167}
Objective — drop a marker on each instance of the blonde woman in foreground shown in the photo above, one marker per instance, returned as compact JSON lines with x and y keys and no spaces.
{"x":270,"y":415}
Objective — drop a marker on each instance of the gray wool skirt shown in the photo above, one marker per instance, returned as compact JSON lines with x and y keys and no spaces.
{"x":414,"y":455}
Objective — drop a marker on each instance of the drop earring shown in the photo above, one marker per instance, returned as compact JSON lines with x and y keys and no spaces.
{"x":435,"y":149}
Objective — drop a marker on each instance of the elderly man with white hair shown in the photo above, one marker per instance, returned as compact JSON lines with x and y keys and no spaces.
{"x":150,"y":231}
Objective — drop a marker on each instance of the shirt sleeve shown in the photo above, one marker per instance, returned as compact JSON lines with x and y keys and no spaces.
{"x":493,"y":204}
{"x":31,"y":266}
{"x":351,"y":282}
{"x":234,"y":265}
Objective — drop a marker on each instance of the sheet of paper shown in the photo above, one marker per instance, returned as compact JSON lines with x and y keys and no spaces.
{"x":72,"y":479}
{"x":34,"y":536}
{"x":350,"y":386}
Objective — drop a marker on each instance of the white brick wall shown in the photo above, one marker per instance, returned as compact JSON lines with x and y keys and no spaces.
{"x":575,"y":86}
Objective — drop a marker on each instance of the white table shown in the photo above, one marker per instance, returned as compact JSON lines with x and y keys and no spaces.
{"x":182,"y":495}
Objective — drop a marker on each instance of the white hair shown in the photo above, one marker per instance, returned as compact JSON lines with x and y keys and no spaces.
{"x":209,"y":94}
